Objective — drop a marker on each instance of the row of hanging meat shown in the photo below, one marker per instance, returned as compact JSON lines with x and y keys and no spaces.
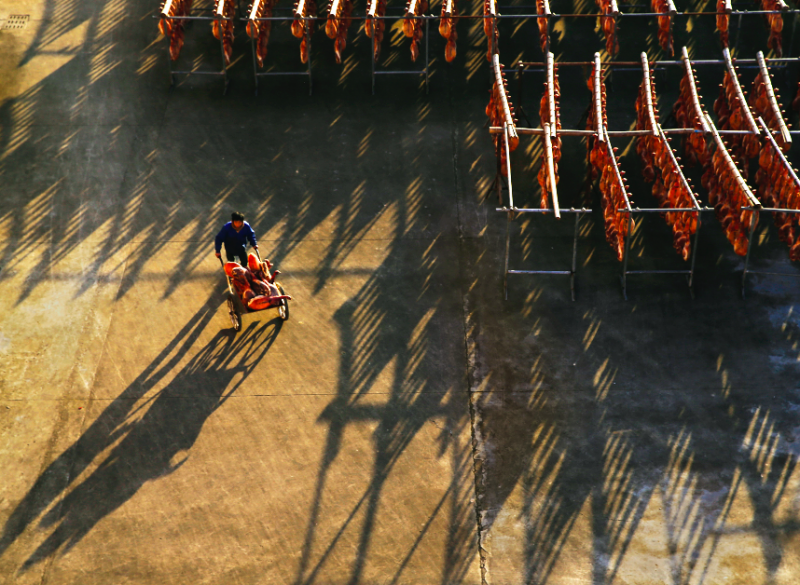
{"x":338,"y":21}
{"x":724,"y":164}
{"x":666,"y":13}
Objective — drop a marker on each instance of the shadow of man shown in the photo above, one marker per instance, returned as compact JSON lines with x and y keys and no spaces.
{"x":149,"y":445}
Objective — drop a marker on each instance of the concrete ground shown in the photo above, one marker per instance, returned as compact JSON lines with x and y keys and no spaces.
{"x":406,"y":425}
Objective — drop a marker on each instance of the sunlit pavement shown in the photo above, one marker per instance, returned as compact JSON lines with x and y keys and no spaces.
{"x":406,"y":424}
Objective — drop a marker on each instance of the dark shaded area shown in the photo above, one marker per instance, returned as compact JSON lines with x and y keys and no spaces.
{"x":171,"y":423}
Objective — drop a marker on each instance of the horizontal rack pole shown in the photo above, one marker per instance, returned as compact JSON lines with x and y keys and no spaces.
{"x":519,"y":16}
{"x":209,"y":18}
{"x":573,"y":132}
{"x":267,"y":73}
{"x":539,"y":210}
{"x":557,"y":272}
{"x":771,"y":209}
{"x":198,"y":72}
{"x":664,"y":209}
{"x":658,"y":63}
{"x":418,"y":72}
{"x":789,"y":274}
{"x":658,"y":272}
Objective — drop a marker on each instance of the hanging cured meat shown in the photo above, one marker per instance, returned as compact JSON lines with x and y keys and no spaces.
{"x":223,"y":29}
{"x":302,"y":28}
{"x":726,"y":193}
{"x":671,"y":190}
{"x":338,"y":22}
{"x":778,"y":188}
{"x":542,"y":9}
{"x":374,"y":27}
{"x":603,"y":165}
{"x":612,"y":196}
{"x":173,"y":29}
{"x":447,"y":28}
{"x":545,"y":110}
{"x":490,"y":27}
{"x":259,"y":30}
{"x":499,"y":116}
{"x":723,"y":19}
{"x":609,"y":24}
{"x":412,"y":27}
{"x":646,"y":145}
{"x":662,"y":7}
{"x":685,"y":111}
{"x":763,"y":100}
{"x":590,"y":122}
{"x":730,"y":111}
{"x":775,"y":23}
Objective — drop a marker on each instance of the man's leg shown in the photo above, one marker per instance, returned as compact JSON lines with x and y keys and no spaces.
{"x":234,"y":252}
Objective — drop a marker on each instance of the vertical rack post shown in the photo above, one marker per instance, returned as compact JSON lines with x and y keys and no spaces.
{"x":753,"y":223}
{"x":427,"y":58}
{"x":574,"y":257}
{"x":307,"y":29}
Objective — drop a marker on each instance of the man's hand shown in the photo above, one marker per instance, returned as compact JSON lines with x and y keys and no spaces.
{"x":217,"y":254}
{"x":255,"y":247}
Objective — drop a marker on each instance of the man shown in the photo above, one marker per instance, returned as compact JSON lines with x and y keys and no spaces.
{"x":235,"y":234}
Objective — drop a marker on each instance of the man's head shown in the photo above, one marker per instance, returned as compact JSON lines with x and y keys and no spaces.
{"x":237,"y":220}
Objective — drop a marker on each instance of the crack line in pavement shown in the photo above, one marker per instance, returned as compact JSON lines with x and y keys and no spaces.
{"x":469,"y":347}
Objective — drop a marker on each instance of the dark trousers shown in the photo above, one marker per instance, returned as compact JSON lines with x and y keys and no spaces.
{"x":236,"y":251}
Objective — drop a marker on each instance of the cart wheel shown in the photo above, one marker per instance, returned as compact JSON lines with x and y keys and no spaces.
{"x":236,"y":319}
{"x":283,"y":308}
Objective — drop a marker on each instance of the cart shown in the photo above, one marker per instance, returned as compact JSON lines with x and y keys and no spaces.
{"x":236,"y":308}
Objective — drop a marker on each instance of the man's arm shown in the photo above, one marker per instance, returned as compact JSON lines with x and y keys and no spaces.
{"x":251,"y":235}
{"x":218,"y":241}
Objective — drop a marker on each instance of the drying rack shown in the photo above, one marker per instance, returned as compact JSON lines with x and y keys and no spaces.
{"x":193,"y":16}
{"x":297,"y":14}
{"x":601,"y":133}
{"x":771,"y":210}
{"x":425,"y":70}
{"x":511,"y":210}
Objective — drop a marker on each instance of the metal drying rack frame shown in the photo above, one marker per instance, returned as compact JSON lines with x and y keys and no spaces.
{"x":195,"y":17}
{"x":707,"y":128}
{"x":297,"y":15}
{"x":771,"y":210}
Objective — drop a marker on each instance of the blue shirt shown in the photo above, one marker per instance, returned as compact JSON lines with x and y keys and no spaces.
{"x":234,"y":240}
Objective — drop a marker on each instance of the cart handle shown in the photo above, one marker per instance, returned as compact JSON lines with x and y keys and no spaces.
{"x":227,"y":278}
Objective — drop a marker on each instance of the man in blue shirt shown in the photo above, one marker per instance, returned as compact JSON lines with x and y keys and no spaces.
{"x":235,"y":234}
